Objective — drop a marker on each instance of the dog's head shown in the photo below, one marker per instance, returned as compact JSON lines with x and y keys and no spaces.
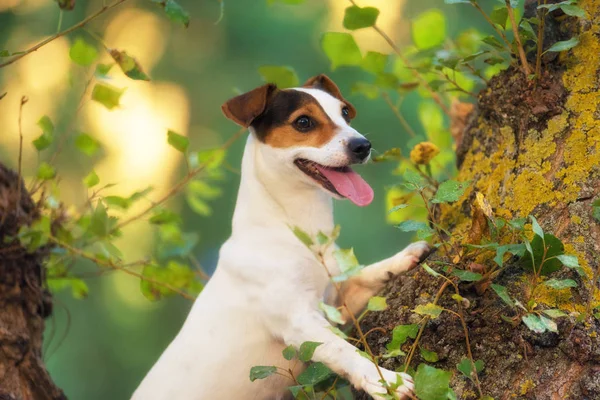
{"x":306,"y":134}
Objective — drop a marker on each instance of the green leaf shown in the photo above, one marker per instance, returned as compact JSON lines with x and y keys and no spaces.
{"x":400,"y":334}
{"x":333,"y":314}
{"x":261,"y":372}
{"x":91,"y":179}
{"x":537,"y":229}
{"x":466,"y":367}
{"x":314,"y":373}
{"x":516,"y":249}
{"x":118,"y":201}
{"x":596,"y":210}
{"x":467,"y":276}
{"x":429,"y":356}
{"x":360,"y":17}
{"x":534,"y":323}
{"x":176,"y":274}
{"x":492,"y":41}
{"x":568,"y":260}
{"x":432,"y":383}
{"x":549,"y":324}
{"x":450,"y":191}
{"x":164,"y":216}
{"x":551,"y":263}
{"x":374,"y":62}
{"x":282,"y":76}
{"x":560,"y":283}
{"x":430,"y":271}
{"x":377,"y":303}
{"x":46,"y":171}
{"x":503,"y":293}
{"x":499,"y":16}
{"x":396,"y":208}
{"x":563,"y":45}
{"x":370,"y":91}
{"x":553,"y":313}
{"x":412,"y":179}
{"x":177,"y":141}
{"x":307,"y":349}
{"x":83,"y":53}
{"x":174,"y":11}
{"x":99,"y":221}
{"x":573,"y":10}
{"x":346,"y":259}
{"x":303,"y":236}
{"x":412,"y":226}
{"x":103,"y":69}
{"x":47,"y":137}
{"x":107,"y":95}
{"x":430,"y":309}
{"x":429,"y":29}
{"x":289,"y":353}
{"x":457,"y":1}
{"x":129,"y":65}
{"x":87,"y":144}
{"x":341,"y":49}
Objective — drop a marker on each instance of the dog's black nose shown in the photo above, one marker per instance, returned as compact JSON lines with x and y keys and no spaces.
{"x":360,"y":148}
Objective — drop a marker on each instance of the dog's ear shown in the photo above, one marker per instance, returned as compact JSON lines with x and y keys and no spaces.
{"x":243,"y":109}
{"x":324,"y":83}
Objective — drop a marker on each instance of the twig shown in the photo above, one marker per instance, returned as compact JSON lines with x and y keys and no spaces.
{"x":24,"y":100}
{"x":63,"y":33}
{"x":540,"y":41}
{"x":175,"y":189}
{"x":457,"y":86}
{"x":111,"y":264}
{"x":398,"y":115}
{"x":487,"y":18}
{"x":515,"y":30}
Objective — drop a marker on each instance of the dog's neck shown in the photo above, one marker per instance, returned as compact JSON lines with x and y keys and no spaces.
{"x":268,"y":199}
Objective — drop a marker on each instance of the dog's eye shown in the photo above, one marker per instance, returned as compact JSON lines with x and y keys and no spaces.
{"x":304,"y":123}
{"x":346,"y":114}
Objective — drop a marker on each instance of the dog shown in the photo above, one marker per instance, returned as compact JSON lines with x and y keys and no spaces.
{"x":267,"y":287}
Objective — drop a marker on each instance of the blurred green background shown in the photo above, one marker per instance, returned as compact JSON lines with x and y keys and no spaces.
{"x":101,"y":347}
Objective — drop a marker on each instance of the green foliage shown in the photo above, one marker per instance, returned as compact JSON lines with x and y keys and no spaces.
{"x":569,"y":7}
{"x":563,"y":45}
{"x":503,"y":293}
{"x":596,"y":209}
{"x":429,"y":309}
{"x":429,"y":29}
{"x":377,"y":303}
{"x":450,"y":191}
{"x":91,"y":179}
{"x":400,"y":335}
{"x":539,"y":323}
{"x":499,"y":16}
{"x":360,"y":17}
{"x":341,"y":49}
{"x":423,"y":230}
{"x":468,"y":369}
{"x":107,"y":95}
{"x":177,"y":141}
{"x":129,"y":65}
{"x":429,"y":356}
{"x":261,"y":372}
{"x":314,"y":373}
{"x":47,"y":137}
{"x":46,"y":171}
{"x":333,"y":314}
{"x":83,"y":53}
{"x":307,"y":349}
{"x":432,"y":383}
{"x":87,"y":144}
{"x":174,"y":274}
{"x":467,"y":276}
{"x":543,"y":253}
{"x":174,"y":11}
{"x":282,"y":76}
{"x":289,"y":353}
{"x":560,"y":283}
{"x":303,"y":236}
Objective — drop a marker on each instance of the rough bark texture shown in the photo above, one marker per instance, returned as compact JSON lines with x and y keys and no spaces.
{"x":530,"y":149}
{"x":24,"y":302}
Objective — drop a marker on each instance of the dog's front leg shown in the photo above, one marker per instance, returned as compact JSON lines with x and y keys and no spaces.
{"x":341,"y":357}
{"x":357,"y":290}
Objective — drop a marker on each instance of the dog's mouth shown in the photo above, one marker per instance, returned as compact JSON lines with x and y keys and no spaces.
{"x":342,"y":181}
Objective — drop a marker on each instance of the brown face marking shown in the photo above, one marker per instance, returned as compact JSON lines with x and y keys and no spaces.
{"x":325,"y":84}
{"x":275,"y":126}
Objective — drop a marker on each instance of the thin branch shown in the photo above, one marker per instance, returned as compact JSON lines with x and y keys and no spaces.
{"x":398,"y":115}
{"x":513,"y":22}
{"x":540,"y":41}
{"x":63,"y":33}
{"x":24,"y":100}
{"x":113,"y":265}
{"x":487,"y":18}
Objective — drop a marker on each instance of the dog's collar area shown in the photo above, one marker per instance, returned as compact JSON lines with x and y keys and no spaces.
{"x":341,"y":181}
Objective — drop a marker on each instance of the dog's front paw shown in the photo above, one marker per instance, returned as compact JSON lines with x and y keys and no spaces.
{"x":412,"y":255}
{"x":372,"y":384}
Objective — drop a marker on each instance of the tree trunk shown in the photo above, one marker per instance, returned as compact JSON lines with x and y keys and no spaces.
{"x":24,"y":301}
{"x":530,"y":149}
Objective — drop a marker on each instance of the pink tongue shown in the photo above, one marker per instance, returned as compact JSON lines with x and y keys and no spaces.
{"x":350,"y":185}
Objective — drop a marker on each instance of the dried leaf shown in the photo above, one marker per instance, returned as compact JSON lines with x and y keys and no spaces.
{"x":459,"y":115}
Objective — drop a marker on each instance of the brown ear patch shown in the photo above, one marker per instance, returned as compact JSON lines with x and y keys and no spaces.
{"x":275,"y":126}
{"x":325,"y":84}
{"x":245,"y":108}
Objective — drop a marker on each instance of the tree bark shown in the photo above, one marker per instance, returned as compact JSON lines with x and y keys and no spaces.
{"x":24,"y":301}
{"x":530,"y":149}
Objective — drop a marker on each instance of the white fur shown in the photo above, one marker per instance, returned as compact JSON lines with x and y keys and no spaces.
{"x":265,"y":292}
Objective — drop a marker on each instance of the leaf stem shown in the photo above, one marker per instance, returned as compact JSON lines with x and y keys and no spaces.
{"x":515,"y":30}
{"x":398,"y":114}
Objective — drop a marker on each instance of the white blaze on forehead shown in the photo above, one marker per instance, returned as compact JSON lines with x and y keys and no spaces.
{"x":331,"y":105}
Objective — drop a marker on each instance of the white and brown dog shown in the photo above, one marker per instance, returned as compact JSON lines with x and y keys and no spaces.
{"x":266,"y":290}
